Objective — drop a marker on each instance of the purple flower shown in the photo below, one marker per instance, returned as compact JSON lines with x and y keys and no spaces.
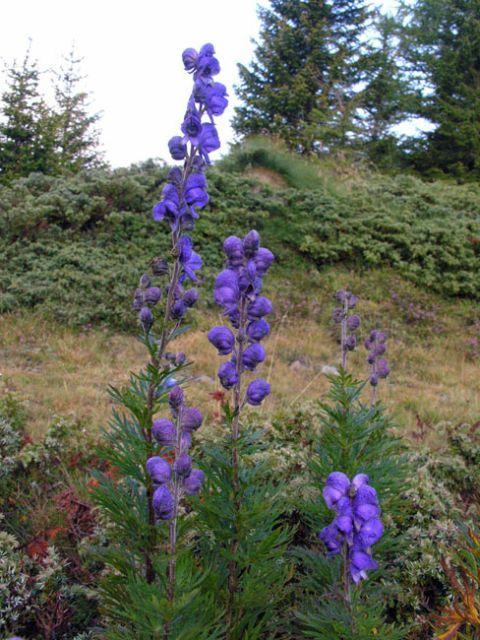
{"x":191,"y":419}
{"x":258,"y":329}
{"x":190,"y":297}
{"x":176,"y":398}
{"x":257,"y":391}
{"x":164,"y":432}
{"x":159,"y":469}
{"x":332,"y":539}
{"x":253,"y":356}
{"x":146,"y":318}
{"x":233,"y":248}
{"x":193,"y":482}
{"x":196,"y":190}
{"x":336,"y":487}
{"x":213,"y":96}
{"x":192,"y":125}
{"x":189,"y":260}
{"x":251,"y":243}
{"x":350,"y":343}
{"x":353,"y":323}
{"x":183,"y":465}
{"x":370,"y":532}
{"x":361,"y":562}
{"x":208,"y":141}
{"x":163,"y":503}
{"x":263,"y":260}
{"x":382,"y":368}
{"x":228,"y":375}
{"x":189,"y":57}
{"x":259,"y":307}
{"x":152,"y":295}
{"x":178,"y":310}
{"x":177,"y":148}
{"x":222,"y":339}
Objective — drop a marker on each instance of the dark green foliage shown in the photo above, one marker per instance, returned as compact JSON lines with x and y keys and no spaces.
{"x":354,"y":438}
{"x":251,"y":519}
{"x":73,"y":247}
{"x":133,"y":604}
{"x":27,"y":126}
{"x":301,"y":82}
{"x":442,"y":46}
{"x":76,"y":138}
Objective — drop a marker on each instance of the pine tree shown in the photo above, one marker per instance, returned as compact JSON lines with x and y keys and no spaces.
{"x":386,"y":96}
{"x":27,"y":126}
{"x":442,"y":38}
{"x":301,"y":83}
{"x":76,"y":137}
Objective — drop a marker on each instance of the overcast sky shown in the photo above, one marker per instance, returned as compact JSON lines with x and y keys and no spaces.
{"x":132,"y":58}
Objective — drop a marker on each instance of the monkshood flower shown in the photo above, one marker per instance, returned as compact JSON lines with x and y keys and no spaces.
{"x":237,"y":291}
{"x":348,"y":322}
{"x":356,"y":526}
{"x":375,"y":344}
{"x":173,"y":475}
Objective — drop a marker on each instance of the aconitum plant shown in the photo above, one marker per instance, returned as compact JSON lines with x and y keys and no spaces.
{"x":356,"y":526}
{"x":375,"y":344}
{"x":140,"y":439}
{"x":349,"y":323}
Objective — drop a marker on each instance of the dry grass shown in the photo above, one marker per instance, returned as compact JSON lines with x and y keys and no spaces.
{"x":62,"y":372}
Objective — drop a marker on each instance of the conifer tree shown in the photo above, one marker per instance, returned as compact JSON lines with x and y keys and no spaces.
{"x":301,"y":84}
{"x":386,"y":96}
{"x":26,"y":125}
{"x":442,"y":39}
{"x":76,"y":137}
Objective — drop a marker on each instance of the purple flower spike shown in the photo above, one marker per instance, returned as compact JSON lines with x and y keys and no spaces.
{"x":163,"y":503}
{"x":164,"y":432}
{"x":159,"y":469}
{"x":222,"y":339}
{"x":257,"y":391}
{"x":193,"y":482}
{"x":357,"y":525}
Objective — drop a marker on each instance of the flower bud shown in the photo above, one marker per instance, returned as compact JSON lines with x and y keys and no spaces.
{"x":193,"y":482}
{"x":145,"y":281}
{"x":146,"y":318}
{"x":227,"y":374}
{"x":257,"y":391}
{"x":176,"y":398}
{"x":190,"y":297}
{"x":251,"y":243}
{"x":183,"y":465}
{"x":163,"y":503}
{"x":222,"y":339}
{"x":158,"y":469}
{"x":191,"y":419}
{"x":152,"y":295}
{"x":159,"y":266}
{"x":177,"y":148}
{"x":164,"y":432}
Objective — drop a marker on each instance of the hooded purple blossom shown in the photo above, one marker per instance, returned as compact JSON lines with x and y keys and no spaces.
{"x":257,"y":391}
{"x":164,"y":432}
{"x":191,"y":419}
{"x":159,"y":469}
{"x":222,"y":339}
{"x":193,"y":482}
{"x":163,"y":504}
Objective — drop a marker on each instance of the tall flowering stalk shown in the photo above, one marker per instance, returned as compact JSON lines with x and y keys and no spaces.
{"x":149,"y":453}
{"x":237,"y":291}
{"x":349,"y":323}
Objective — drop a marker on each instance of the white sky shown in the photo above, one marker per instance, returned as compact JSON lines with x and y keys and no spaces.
{"x":132,"y":58}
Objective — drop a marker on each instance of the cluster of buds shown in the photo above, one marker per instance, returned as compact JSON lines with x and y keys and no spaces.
{"x":146,"y":297}
{"x":375,"y":344}
{"x":348,"y":322}
{"x":237,"y":291}
{"x":357,"y":525}
{"x":173,"y":475}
